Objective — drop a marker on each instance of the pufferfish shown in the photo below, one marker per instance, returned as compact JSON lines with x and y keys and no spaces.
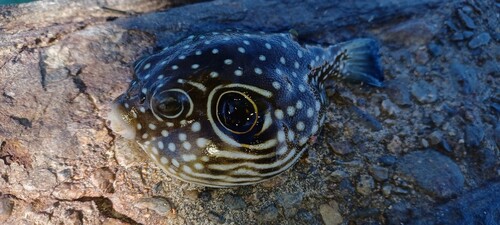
{"x":225,"y":109}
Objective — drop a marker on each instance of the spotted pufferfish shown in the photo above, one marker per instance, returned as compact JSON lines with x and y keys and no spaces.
{"x":225,"y":109}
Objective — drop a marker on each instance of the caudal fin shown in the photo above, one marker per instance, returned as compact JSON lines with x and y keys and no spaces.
{"x":359,"y":62}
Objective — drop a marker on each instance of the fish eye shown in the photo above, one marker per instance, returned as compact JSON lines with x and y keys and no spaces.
{"x":237,"y":112}
{"x":171,"y":103}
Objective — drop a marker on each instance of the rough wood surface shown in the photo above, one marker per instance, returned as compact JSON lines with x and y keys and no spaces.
{"x":63,"y":62}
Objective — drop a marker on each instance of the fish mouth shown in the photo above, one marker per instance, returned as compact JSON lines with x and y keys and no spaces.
{"x":121,"y":122}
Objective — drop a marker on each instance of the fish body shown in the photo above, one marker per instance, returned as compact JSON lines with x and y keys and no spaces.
{"x":228,"y":109}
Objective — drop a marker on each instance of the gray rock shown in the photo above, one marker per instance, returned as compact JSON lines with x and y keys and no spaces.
{"x":424,"y":92}
{"x":437,"y":119}
{"x":387,"y":160}
{"x":330,"y":213}
{"x":339,"y":148}
{"x":365,"y":185}
{"x":390,"y":107}
{"x":6,"y":206}
{"x":395,"y":146}
{"x":216,"y":217}
{"x":473,"y":135}
{"x":435,"y":137}
{"x":306,"y":217}
{"x":234,"y":202}
{"x":268,"y":213}
{"x":398,"y":92}
{"x":158,"y":204}
{"x":479,"y":206}
{"x":480,"y":40}
{"x":433,"y":172}
{"x":466,"y":20}
{"x":379,"y":173}
{"x":435,"y":49}
{"x":290,"y":199}
{"x":386,"y":189}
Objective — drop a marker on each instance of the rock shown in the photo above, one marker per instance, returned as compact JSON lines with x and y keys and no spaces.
{"x":330,"y":213}
{"x":424,"y":92}
{"x":390,"y":107}
{"x":437,"y":119}
{"x":338,"y":175}
{"x":379,"y":173}
{"x":342,"y":148}
{"x":480,"y":40}
{"x":479,"y":206}
{"x":398,"y":92}
{"x":366,"y":119}
{"x":205,"y":196}
{"x":435,"y":137}
{"x":395,"y":145}
{"x":365,"y":185}
{"x":213,"y":216}
{"x":290,"y":199}
{"x":268,"y":213}
{"x":306,"y":217}
{"x":433,"y":172}
{"x":413,"y":32}
{"x":473,"y":135}
{"x":386,"y":189}
{"x":234,"y":202}
{"x":466,"y":20}
{"x":398,"y":213}
{"x":435,"y":49}
{"x":387,"y":160}
{"x":6,"y":206}
{"x":40,"y":180}
{"x":158,"y":204}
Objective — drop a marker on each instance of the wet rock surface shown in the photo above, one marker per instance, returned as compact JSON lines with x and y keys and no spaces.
{"x":422,"y":150}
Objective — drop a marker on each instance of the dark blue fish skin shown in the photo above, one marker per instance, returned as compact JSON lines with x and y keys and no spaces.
{"x":227,"y":109}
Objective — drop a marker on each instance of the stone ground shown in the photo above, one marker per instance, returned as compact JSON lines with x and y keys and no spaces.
{"x":422,"y":150}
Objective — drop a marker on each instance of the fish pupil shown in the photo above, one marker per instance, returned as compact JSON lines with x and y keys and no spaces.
{"x":170,"y":106}
{"x":237,"y":113}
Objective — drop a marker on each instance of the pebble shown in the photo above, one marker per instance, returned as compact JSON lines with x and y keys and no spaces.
{"x":395,"y":145}
{"x":480,"y":40}
{"x":6,"y":207}
{"x":158,"y":204}
{"x":213,"y":216}
{"x":473,"y":135}
{"x":379,"y":173}
{"x":433,"y":172}
{"x":330,"y":213}
{"x":390,"y":108}
{"x":268,"y":213}
{"x":339,"y":148}
{"x":437,"y":119}
{"x":287,"y":200}
{"x":205,"y":196}
{"x":305,"y":216}
{"x":466,"y":20}
{"x":338,"y":175}
{"x":435,"y":137}
{"x":424,"y":92}
{"x":366,"y":119}
{"x":234,"y":202}
{"x":387,"y":189}
{"x":398,"y":92}
{"x":365,"y":185}
{"x":435,"y":49}
{"x":387,"y":160}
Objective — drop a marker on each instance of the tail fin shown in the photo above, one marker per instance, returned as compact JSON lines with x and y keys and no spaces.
{"x":359,"y":62}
